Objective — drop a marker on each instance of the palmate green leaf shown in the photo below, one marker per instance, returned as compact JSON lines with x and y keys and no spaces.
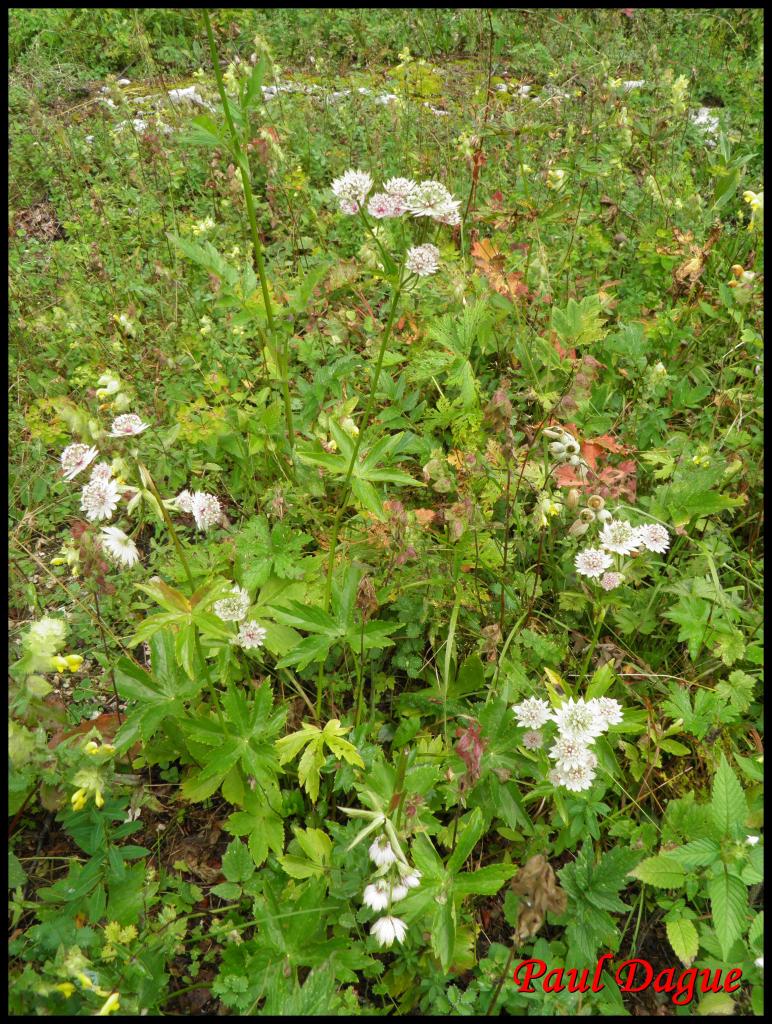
{"x":314,"y":740}
{"x":728,"y":804}
{"x":683,"y":937}
{"x":729,"y":908}
{"x":580,"y":323}
{"x":260,"y":822}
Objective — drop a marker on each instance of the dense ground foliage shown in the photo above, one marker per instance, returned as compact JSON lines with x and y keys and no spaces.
{"x":385,"y":595}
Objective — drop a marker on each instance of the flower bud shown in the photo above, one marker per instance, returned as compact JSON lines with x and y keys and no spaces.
{"x":596,"y":503}
{"x":556,"y":448}
{"x":572,"y":498}
{"x":604,"y":516}
{"x":578,"y":529}
{"x":587,"y":515}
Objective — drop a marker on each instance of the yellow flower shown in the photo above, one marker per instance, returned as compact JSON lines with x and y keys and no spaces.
{"x":111,"y":1004}
{"x":74,"y":661}
{"x":99,"y":800}
{"x":58,"y":663}
{"x":66,"y":988}
{"x":91,"y":747}
{"x":79,"y":799}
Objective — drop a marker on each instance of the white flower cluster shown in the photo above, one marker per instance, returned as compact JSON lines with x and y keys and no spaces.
{"x":399,"y":196}
{"x":579,"y":723}
{"x":205,"y":508}
{"x":563,"y":446}
{"x":233,"y":609}
{"x":423,"y":260}
{"x":99,"y":497}
{"x":393,"y":880}
{"x":621,"y":538}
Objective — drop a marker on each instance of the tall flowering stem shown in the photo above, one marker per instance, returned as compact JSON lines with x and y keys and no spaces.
{"x":279,"y":351}
{"x":354,"y":455}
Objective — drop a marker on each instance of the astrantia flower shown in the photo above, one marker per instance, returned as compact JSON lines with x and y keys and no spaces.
{"x":619,"y":536}
{"x":376,"y":896}
{"x":556,"y":777}
{"x":611,"y":580}
{"x":381,"y":852}
{"x":387,"y":929}
{"x":653,"y":537}
{"x":250,"y":635}
{"x":568,"y":752}
{"x":352,"y":189}
{"x":102,"y":471}
{"x":382,"y":205}
{"x":400,"y":188}
{"x":579,"y":720}
{"x":532,"y":713}
{"x":578,"y":778}
{"x":431,"y":199}
{"x":233,"y":609}
{"x":423,"y":260}
{"x":127,"y":425}
{"x":533,"y":740}
{"x":120,"y":546}
{"x":99,"y":499}
{"x":206,"y":510}
{"x":592,"y":562}
{"x":608,"y":709}
{"x":183,"y":501}
{"x":451,"y":217}
{"x":75,"y":458}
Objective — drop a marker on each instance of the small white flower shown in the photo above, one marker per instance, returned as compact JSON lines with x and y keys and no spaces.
{"x":206,"y":510}
{"x":387,"y":929}
{"x":381,"y":852}
{"x":400,"y":188}
{"x":102,"y":471}
{"x":352,"y":189}
{"x":556,"y":777}
{"x":75,"y":458}
{"x":250,"y":635}
{"x":532,"y":713}
{"x":183,"y":501}
{"x":608,"y":709}
{"x":568,"y":752}
{"x":751,"y":840}
{"x":411,"y":877}
{"x":423,"y":260}
{"x":533,"y":740}
{"x":376,"y":896}
{"x":759,"y":962}
{"x":620,"y":537}
{"x":383,"y":205}
{"x":127,"y":425}
{"x":233,"y":609}
{"x":578,"y":777}
{"x":592,"y":562}
{"x":579,"y":720}
{"x":398,"y":892}
{"x":120,"y":546}
{"x":99,"y":499}
{"x":432,"y":199}
{"x":611,"y":580}
{"x":653,"y":537}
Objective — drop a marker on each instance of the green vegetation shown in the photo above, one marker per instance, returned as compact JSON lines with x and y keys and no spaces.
{"x":385,"y":558}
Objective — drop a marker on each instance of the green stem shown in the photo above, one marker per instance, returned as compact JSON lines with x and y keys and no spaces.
{"x":352,"y":462}
{"x":600,"y":616}
{"x":279,"y":351}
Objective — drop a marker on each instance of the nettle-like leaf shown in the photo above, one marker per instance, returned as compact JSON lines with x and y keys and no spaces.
{"x":315,"y":740}
{"x":593,"y":888}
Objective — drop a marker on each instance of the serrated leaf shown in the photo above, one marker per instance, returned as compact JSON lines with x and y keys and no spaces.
{"x":729,"y":906}
{"x":683,"y":937}
{"x":728,"y":805}
{"x":237,"y":863}
{"x":662,"y":871}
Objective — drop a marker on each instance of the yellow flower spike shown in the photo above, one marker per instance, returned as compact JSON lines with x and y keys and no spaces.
{"x":111,"y":1004}
{"x":74,"y":661}
{"x":66,"y":988}
{"x":79,"y":799}
{"x":99,"y":800}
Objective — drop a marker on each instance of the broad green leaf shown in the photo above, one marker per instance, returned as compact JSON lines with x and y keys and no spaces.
{"x":663,"y":871}
{"x":444,"y":932}
{"x":237,"y":863}
{"x":728,"y":804}
{"x":683,"y":937}
{"x":729,"y":908}
{"x":485,"y":881}
{"x":467,"y":840}
{"x":699,"y":853}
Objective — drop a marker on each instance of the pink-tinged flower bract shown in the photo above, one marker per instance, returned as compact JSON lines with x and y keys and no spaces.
{"x":653,"y":537}
{"x":532,"y":713}
{"x":119,"y":545}
{"x":99,"y":499}
{"x":533,"y":740}
{"x":423,"y":260}
{"x":206,"y":510}
{"x":250,"y":636}
{"x":382,"y":205}
{"x":235,"y":608}
{"x":352,"y":189}
{"x":620,"y":537}
{"x":611,"y":580}
{"x":75,"y":458}
{"x":128,"y":425}
{"x":592,"y":562}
